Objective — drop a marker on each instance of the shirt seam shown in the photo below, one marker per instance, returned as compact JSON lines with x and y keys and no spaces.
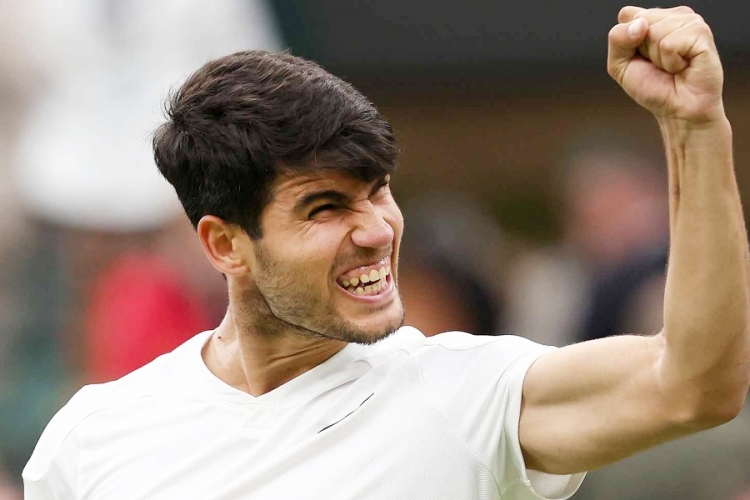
{"x":78,"y":424}
{"x":525,"y":481}
{"x":513,"y":483}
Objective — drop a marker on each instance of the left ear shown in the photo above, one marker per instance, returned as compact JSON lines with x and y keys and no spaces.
{"x":223,"y":243}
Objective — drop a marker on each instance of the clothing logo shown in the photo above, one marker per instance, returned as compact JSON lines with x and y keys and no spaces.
{"x":348,"y":414}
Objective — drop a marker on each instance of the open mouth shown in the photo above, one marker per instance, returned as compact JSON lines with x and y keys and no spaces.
{"x":367,"y":280}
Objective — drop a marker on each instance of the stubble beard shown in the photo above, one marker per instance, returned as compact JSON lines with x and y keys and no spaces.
{"x":278,"y":305}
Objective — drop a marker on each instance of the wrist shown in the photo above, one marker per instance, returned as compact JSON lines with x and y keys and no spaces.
{"x":680,"y":131}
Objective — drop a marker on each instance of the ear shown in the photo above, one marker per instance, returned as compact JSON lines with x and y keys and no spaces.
{"x":227,"y":247}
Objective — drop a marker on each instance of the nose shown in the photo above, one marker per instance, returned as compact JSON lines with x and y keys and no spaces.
{"x":372,"y":230}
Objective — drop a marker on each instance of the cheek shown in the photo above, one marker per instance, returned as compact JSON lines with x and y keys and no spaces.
{"x":306,"y":258}
{"x":396,"y":220}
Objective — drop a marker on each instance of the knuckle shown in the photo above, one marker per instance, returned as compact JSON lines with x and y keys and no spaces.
{"x":684,"y":8}
{"x":624,"y":13}
{"x":697,"y":18}
{"x":702,"y":27}
{"x":668,"y":45}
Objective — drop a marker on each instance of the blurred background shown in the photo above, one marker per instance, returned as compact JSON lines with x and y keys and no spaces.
{"x":534,"y":191}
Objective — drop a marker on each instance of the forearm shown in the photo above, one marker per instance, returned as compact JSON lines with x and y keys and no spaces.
{"x":611,"y":397}
{"x":706,"y":310}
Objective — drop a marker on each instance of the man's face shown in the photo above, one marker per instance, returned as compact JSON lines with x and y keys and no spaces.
{"x":326,"y":263}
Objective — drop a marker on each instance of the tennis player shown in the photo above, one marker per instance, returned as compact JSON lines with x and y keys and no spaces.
{"x":312,"y":388}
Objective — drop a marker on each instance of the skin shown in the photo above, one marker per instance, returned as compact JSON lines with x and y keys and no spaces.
{"x":593,"y":403}
{"x":585,"y":405}
{"x":287,"y":313}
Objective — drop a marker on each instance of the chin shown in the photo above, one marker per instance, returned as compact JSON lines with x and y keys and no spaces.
{"x":368,"y":337}
{"x":369,"y":333}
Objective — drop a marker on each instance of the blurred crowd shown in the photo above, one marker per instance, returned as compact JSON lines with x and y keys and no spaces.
{"x":100,"y":271}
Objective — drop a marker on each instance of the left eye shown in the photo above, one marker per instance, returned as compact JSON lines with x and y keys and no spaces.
{"x":322,"y":208}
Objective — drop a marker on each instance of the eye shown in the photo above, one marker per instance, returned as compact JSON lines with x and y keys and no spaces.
{"x":321,"y":209}
{"x":382,"y":188}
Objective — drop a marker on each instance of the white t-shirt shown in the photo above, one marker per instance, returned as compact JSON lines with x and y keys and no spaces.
{"x":407,"y":418}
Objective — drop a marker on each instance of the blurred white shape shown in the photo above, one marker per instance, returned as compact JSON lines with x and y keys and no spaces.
{"x":85,"y":157}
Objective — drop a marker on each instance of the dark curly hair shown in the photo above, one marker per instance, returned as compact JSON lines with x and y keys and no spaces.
{"x":242,"y":120}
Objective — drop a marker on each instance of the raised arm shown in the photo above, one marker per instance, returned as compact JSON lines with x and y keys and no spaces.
{"x":589,"y":404}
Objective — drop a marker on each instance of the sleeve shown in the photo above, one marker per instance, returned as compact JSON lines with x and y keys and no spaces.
{"x":52,"y":471}
{"x":50,"y":474}
{"x":476,"y":383}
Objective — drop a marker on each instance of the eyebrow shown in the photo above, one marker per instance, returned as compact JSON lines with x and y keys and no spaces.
{"x":316,"y":196}
{"x":334,"y":196}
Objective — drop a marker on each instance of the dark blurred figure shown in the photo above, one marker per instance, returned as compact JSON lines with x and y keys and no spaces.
{"x":450,"y":280}
{"x":629,"y":297}
{"x":615,"y":229}
{"x":619,"y":219}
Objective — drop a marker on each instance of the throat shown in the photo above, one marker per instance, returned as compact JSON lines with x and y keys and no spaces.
{"x":257,"y":366}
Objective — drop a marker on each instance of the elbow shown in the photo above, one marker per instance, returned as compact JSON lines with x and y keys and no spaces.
{"x":702,"y":393}
{"x":722,"y":398}
{"x":719,"y":412}
{"x":710,"y":409}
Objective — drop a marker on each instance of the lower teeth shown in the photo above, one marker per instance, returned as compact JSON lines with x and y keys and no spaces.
{"x":368,"y":290}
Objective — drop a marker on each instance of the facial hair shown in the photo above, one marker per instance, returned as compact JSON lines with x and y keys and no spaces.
{"x":278,"y":302}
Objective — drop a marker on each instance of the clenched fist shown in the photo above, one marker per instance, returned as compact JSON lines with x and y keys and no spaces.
{"x":667,"y":61}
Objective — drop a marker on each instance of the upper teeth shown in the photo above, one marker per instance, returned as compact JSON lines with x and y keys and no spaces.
{"x":375,"y":276}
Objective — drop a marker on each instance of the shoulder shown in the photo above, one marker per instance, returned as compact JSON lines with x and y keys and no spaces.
{"x":158,"y":377}
{"x":453,"y":356}
{"x":454,"y":344}
{"x":500,"y":348}
{"x":454,"y":359}
{"x":461,"y":341}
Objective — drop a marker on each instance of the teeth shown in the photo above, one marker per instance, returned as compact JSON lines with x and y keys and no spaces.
{"x":376,"y":279}
{"x":371,"y":289}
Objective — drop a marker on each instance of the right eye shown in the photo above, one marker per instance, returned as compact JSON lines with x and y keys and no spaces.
{"x":322,"y":208}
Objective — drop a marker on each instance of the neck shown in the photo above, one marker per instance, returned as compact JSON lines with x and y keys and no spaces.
{"x":256,"y":361}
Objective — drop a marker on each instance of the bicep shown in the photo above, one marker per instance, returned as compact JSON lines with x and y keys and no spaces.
{"x":589,"y":404}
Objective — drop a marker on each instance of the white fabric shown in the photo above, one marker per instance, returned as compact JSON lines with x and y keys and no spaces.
{"x":407,"y":418}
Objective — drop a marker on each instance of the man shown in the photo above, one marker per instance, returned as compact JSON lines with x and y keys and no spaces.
{"x":305,"y":390}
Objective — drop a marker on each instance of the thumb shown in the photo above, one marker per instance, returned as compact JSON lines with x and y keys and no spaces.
{"x":624,"y":40}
